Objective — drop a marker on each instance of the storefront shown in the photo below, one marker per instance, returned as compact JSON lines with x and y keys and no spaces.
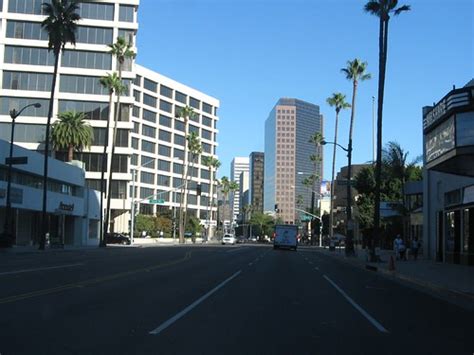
{"x":72,"y":208}
{"x":448,"y":212}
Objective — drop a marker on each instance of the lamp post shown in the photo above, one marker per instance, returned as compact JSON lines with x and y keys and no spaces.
{"x":6,"y":237}
{"x":349,"y":224}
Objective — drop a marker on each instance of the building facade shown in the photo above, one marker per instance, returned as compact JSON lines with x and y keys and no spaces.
{"x":448,"y":177}
{"x":256,"y":176}
{"x":288,"y":130}
{"x":237,"y":167}
{"x":72,"y":208}
{"x":147,"y":131}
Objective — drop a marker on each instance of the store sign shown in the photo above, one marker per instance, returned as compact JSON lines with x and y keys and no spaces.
{"x":440,"y":140}
{"x":453,"y":101}
{"x":66,"y":207}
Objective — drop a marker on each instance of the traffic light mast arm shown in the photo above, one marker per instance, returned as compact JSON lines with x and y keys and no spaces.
{"x":159,"y":193}
{"x":309,"y":214}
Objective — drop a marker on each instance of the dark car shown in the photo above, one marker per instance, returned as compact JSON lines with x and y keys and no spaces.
{"x":117,"y":238}
{"x":241,"y":240}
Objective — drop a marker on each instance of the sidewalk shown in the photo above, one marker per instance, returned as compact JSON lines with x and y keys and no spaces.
{"x":452,"y":281}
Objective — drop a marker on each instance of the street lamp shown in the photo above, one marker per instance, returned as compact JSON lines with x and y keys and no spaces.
{"x":6,"y":237}
{"x":349,"y":224}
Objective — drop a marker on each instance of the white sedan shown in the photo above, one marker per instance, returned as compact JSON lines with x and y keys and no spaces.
{"x":229,"y":239}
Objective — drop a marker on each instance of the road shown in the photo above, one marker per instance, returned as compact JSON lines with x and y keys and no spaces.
{"x":247,"y":299}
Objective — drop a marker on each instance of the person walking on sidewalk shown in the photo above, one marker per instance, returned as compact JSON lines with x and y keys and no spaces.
{"x":396,"y":246}
{"x":402,"y":249}
{"x":415,"y":246}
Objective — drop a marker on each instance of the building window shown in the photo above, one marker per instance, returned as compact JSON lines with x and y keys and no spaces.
{"x":178,"y":168}
{"x":166,"y":91}
{"x":150,"y":85}
{"x":193,"y":129}
{"x":135,"y":143}
{"x":180,"y":97}
{"x":177,"y":182}
{"x":23,"y":132}
{"x":81,"y":85}
{"x":26,"y":30}
{"x":134,"y":160}
{"x":179,"y":125}
{"x":128,"y":35}
{"x":164,"y":150}
{"x":148,"y":162}
{"x":149,"y":131}
{"x":126,"y":13}
{"x":194,"y":103}
{"x":86,"y":59}
{"x":27,"y":81}
{"x":136,"y":95}
{"x":149,"y":100}
{"x":206,"y":121}
{"x":165,"y":121}
{"x":146,"y":192}
{"x":205,"y":174}
{"x":207,"y":148}
{"x":28,"y":55}
{"x":164,"y":136}
{"x":147,"y":178}
{"x":206,"y":134}
{"x":164,"y":165}
{"x":137,"y":81}
{"x":93,"y":110}
{"x":96,"y":11}
{"x":94,"y":35}
{"x":179,"y":140}
{"x":33,"y":7}
{"x":148,"y":146}
{"x":207,"y":108}
{"x":136,"y":111}
{"x":149,"y":116}
{"x":10,"y":103}
{"x":166,"y":106}
{"x":178,"y":153}
{"x":163,"y":180}
{"x":119,"y":164}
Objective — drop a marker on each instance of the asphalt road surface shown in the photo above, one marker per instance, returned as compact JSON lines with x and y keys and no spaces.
{"x":247,"y":299}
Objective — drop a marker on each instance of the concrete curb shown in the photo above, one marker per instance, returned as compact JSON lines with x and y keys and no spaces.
{"x":452,"y":296}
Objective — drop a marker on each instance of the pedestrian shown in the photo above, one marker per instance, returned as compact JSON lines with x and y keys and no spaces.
{"x":415,"y":246}
{"x":402,"y":249}
{"x":396,"y":245}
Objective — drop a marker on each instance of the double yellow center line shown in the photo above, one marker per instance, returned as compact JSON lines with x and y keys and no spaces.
{"x":91,"y":282}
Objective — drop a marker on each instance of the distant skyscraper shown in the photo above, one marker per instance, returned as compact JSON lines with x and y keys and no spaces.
{"x":288,"y":129}
{"x":244,"y":191}
{"x":256,"y":180}
{"x":237,"y":167}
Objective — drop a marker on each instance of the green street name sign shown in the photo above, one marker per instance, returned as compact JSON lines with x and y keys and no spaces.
{"x":156,"y":201}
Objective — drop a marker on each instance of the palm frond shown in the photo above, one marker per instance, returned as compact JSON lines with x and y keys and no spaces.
{"x":373,"y":7}
{"x":401,"y":9}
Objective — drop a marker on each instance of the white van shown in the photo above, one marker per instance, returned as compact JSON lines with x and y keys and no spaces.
{"x":285,"y":236}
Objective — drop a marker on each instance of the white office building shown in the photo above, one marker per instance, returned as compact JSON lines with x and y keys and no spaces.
{"x":237,"y":167}
{"x":143,"y":134}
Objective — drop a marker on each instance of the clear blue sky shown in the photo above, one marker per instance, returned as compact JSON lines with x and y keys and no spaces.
{"x":249,"y":53}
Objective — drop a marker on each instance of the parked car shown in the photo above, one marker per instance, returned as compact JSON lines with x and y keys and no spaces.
{"x":241,"y":240}
{"x":117,"y":238}
{"x":229,"y":239}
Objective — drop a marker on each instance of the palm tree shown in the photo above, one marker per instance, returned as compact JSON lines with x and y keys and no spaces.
{"x":337,"y":100}
{"x":233,"y":186}
{"x":224,"y":184}
{"x":213,"y":164}
{"x":355,"y":72}
{"x":113,"y":84}
{"x":309,"y":182}
{"x":195,"y":149}
{"x":122,"y":51}
{"x":71,"y":132}
{"x":185,"y":113}
{"x":61,"y":24}
{"x":382,"y":9}
{"x":317,"y":139}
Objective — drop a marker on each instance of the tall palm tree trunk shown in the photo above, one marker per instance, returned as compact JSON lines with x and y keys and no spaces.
{"x":186,"y":192}
{"x":209,"y":206}
{"x":102,"y":241}
{"x":70,"y":153}
{"x":44,"y":215}
{"x":114,"y":137}
{"x":183,"y":201}
{"x":350,"y":225}
{"x":383,"y":36}
{"x":331,"y":213}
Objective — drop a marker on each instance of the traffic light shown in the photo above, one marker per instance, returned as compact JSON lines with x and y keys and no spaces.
{"x":198,"y":189}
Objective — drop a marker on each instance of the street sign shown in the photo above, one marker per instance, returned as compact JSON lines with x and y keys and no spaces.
{"x":344,"y":182}
{"x":158,"y":201}
{"x":16,"y":160}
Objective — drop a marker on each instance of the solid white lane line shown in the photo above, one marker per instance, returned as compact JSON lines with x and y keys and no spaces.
{"x":374,"y":322}
{"x":232,"y":250}
{"x":179,"y":315}
{"x":39,"y":269}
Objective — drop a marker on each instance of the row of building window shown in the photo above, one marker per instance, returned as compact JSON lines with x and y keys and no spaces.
{"x":168,"y":92}
{"x":79,"y":84}
{"x":86,"y":10}
{"x":166,"y":136}
{"x":165,"y":120}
